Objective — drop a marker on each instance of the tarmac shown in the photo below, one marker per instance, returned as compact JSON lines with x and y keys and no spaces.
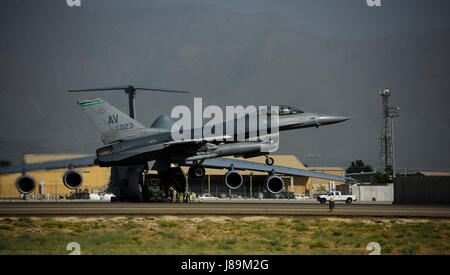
{"x":221,"y":207}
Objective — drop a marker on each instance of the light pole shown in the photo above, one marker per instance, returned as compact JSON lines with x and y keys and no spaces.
{"x":393,"y":112}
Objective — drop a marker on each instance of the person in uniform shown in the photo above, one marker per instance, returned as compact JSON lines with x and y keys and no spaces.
{"x":174,"y":194}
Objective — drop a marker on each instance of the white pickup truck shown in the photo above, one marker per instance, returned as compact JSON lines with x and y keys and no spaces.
{"x":336,"y":195}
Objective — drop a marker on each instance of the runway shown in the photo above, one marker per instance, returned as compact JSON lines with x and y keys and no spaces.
{"x":219,"y":208}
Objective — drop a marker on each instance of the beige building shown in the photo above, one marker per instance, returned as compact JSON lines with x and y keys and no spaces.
{"x":95,"y":178}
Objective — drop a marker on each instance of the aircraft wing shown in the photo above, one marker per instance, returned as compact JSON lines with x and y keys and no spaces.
{"x":66,"y":163}
{"x":220,"y":163}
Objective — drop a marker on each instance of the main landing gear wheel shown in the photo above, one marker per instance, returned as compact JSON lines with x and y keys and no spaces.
{"x":196,"y":171}
{"x":269,"y":161}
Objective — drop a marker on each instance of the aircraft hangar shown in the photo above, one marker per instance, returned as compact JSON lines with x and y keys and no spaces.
{"x":49,"y":182}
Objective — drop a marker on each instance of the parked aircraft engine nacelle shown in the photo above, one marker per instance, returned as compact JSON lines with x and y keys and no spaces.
{"x":25,"y":184}
{"x":73,"y":179}
{"x":274,"y":184}
{"x":233,"y":179}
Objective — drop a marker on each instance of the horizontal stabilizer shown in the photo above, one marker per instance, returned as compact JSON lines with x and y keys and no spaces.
{"x":129,"y":87}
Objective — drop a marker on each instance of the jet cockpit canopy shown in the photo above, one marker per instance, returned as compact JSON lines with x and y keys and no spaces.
{"x":288,"y":110}
{"x":283,"y":110}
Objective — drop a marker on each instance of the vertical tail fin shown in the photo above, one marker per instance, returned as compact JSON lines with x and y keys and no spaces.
{"x":112,"y":123}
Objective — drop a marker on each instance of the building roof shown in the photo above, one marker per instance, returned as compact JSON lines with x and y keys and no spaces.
{"x":35,"y":158}
{"x":434,"y":174}
{"x":360,"y":174}
{"x":325,"y":168}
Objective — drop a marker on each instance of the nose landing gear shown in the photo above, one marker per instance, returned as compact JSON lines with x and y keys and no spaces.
{"x":269,"y":160}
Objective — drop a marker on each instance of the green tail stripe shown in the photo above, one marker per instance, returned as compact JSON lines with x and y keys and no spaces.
{"x":91,"y":103}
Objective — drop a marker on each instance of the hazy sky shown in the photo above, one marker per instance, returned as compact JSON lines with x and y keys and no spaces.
{"x":228,"y":50}
{"x":349,"y":19}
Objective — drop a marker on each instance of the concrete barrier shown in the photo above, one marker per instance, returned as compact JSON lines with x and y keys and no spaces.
{"x":383,"y":193}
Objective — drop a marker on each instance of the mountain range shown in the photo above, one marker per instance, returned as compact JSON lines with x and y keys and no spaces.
{"x":227,"y":58}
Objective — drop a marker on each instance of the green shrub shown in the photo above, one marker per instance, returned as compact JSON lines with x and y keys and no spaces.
{"x":4,"y":243}
{"x":202,"y":227}
{"x":410,"y":250}
{"x":300,"y":227}
{"x":169,"y":234}
{"x":318,"y":244}
{"x":164,"y":223}
{"x":226,"y":243}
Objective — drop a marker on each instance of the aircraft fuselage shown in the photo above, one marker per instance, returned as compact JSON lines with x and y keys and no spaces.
{"x":154,"y":147}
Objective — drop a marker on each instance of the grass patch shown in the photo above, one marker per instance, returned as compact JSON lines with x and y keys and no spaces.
{"x":300,"y":226}
{"x":410,"y":250}
{"x":6,"y":227}
{"x":336,"y":233}
{"x":137,"y":235}
{"x":165,"y":223}
{"x":202,"y":227}
{"x":169,"y":234}
{"x":318,"y":244}
{"x":5,"y":244}
{"x":131,"y":225}
{"x":24,"y":222}
{"x":226,"y":243}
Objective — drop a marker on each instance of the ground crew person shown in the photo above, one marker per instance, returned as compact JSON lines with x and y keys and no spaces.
{"x":191,"y":198}
{"x":331,"y":204}
{"x":174,"y":195}
{"x":181,"y":197}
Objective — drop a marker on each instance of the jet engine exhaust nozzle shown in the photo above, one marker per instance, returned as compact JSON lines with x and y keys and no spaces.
{"x":274,"y":184}
{"x":25,"y":184}
{"x":233,"y":179}
{"x":73,"y":179}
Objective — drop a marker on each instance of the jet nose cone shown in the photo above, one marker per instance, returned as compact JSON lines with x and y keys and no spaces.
{"x":324,"y":120}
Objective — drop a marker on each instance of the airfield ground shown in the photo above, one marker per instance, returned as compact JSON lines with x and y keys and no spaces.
{"x":222,"y":235}
{"x":221,"y":207}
